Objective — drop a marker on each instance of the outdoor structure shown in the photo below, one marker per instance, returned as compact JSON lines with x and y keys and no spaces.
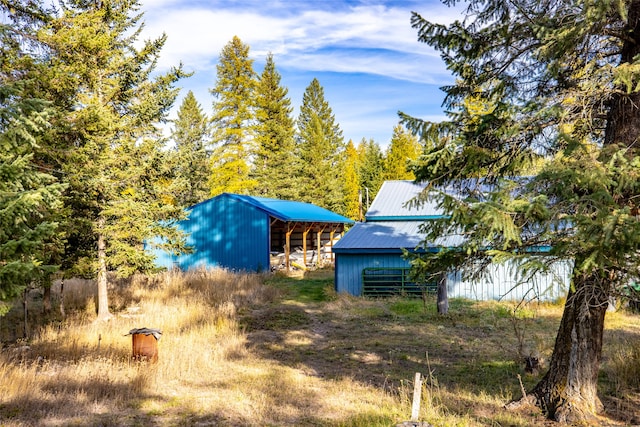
{"x":246,"y":233}
{"x":144,"y":343}
{"x":369,"y":258}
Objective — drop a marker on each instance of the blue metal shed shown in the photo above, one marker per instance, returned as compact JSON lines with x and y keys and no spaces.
{"x":373,"y":249}
{"x":240,"y":232}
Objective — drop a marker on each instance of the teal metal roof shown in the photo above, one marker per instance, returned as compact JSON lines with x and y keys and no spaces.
{"x":292,"y":211}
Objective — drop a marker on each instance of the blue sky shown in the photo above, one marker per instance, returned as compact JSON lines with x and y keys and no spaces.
{"x":364,"y":53}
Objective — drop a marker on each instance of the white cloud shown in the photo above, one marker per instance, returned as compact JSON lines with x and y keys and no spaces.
{"x":309,"y":40}
{"x":367,"y":56}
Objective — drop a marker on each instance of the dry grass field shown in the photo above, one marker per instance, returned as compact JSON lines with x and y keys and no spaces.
{"x":250,"y":350}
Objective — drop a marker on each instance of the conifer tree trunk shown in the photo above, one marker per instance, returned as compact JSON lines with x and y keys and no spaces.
{"x":25,"y":312}
{"x":568,"y":392}
{"x":46,"y":298}
{"x":103,"y":300}
{"x":62,"y":312}
{"x":623,"y":120}
{"x":443,"y":298}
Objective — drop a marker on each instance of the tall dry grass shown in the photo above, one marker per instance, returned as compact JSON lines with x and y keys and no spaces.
{"x":79,"y":366}
{"x":80,"y":372}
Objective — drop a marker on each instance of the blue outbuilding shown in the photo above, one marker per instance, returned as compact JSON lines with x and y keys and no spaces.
{"x":244,"y":233}
{"x":369,"y":258}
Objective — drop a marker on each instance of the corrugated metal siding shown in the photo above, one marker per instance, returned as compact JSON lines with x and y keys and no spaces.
{"x":500,"y":283}
{"x":226,"y":232}
{"x":234,"y":231}
{"x":391,"y":225}
{"x":348,"y":273}
{"x":381,"y":234}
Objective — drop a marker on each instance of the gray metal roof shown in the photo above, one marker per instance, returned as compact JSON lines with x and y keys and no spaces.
{"x":392,"y":203}
{"x":393,"y":223}
{"x":387,"y":236}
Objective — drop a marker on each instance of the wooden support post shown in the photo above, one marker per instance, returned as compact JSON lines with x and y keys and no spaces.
{"x":287,"y":247}
{"x":331,"y":244}
{"x":319,"y":242}
{"x":304,"y":246}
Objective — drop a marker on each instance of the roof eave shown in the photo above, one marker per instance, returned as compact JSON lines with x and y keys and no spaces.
{"x":394,"y":251}
{"x":406,"y":218}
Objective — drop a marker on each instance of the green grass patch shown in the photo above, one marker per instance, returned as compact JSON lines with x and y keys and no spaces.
{"x":370,"y":312}
{"x":313,"y":287}
{"x":492,"y":377}
{"x":408,"y":307}
{"x":276,"y":318}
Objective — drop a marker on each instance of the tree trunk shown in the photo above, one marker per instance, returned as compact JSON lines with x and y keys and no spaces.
{"x":623,"y":120}
{"x":62,"y":312}
{"x":103,"y":300}
{"x":568,"y":392}
{"x":25,"y":309}
{"x":46,"y":298}
{"x":443,"y":298}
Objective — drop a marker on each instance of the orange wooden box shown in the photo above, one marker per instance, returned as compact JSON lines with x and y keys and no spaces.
{"x":145,"y":344}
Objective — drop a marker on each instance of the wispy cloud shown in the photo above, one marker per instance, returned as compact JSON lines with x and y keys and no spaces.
{"x":364,"y":52}
{"x":346,"y":39}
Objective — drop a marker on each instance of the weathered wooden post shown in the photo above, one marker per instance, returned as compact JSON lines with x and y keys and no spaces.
{"x":415,"y":406}
{"x":417,"y":395}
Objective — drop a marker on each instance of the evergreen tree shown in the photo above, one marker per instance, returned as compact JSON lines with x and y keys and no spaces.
{"x":352,"y":189}
{"x":319,"y":147}
{"x":371,"y":169}
{"x":557,"y":79}
{"x":21,"y":65}
{"x":274,"y":136}
{"x":403,"y":149}
{"x":233,"y":118}
{"x":110,"y":106}
{"x":30,"y":240}
{"x":28,"y":196}
{"x":190,"y":134}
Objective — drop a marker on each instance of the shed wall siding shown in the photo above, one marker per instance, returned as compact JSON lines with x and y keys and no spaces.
{"x":228,"y":233}
{"x":348,"y":273}
{"x":499,"y":282}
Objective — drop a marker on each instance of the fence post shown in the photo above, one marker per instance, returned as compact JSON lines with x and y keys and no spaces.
{"x":417,"y":395}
